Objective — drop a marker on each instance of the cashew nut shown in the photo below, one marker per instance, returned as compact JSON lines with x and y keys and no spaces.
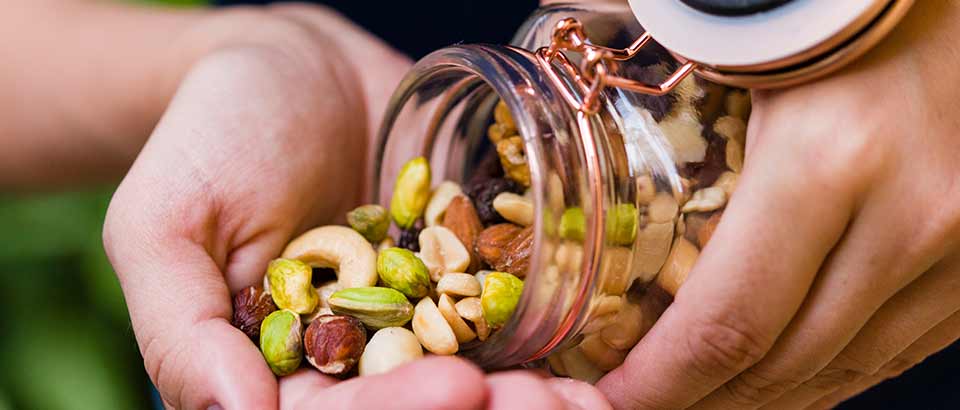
{"x":340,"y":248}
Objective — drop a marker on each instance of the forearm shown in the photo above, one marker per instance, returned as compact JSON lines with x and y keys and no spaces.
{"x":88,"y":81}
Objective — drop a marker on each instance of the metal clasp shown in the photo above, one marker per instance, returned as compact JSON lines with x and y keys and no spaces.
{"x":593,"y":75}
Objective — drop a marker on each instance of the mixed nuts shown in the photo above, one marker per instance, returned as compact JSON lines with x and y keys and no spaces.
{"x":424,"y":293}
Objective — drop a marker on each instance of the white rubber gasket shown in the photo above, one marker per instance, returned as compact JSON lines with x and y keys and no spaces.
{"x":747,"y":40}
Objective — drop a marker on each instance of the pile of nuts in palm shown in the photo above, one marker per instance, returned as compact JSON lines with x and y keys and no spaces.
{"x":452,"y":277}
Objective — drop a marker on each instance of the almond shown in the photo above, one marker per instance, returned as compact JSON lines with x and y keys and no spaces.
{"x":461,"y":219}
{"x":506,"y":247}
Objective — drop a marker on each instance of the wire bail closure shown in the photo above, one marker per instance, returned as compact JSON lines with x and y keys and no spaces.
{"x":593,"y":75}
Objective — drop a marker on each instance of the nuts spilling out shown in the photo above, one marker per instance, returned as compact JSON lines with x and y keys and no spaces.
{"x":334,"y":344}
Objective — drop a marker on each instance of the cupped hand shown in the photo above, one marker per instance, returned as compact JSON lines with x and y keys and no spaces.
{"x":264,"y":139}
{"x":442,"y":383}
{"x":836,"y":264}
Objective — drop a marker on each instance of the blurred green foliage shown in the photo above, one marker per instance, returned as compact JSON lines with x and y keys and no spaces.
{"x":66,"y":338}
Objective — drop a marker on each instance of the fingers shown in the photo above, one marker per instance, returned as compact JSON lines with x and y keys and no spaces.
{"x":433,"y":383}
{"x":523,"y":390}
{"x":746,"y":286}
{"x":937,"y":339}
{"x":898,"y":324}
{"x":866,"y":269}
{"x":579,"y":394}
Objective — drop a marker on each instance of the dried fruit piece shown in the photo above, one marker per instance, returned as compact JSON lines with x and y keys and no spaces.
{"x":376,"y":307}
{"x":501,"y":292}
{"x":280,"y":341}
{"x":484,"y":192}
{"x":410,"y":237}
{"x":514,"y":208}
{"x":250,"y":307}
{"x":411,"y":192}
{"x":460,"y":328}
{"x":400,"y":269}
{"x":459,"y":284}
{"x":432,"y":329}
{"x":442,"y":252}
{"x":678,"y":265}
{"x":371,"y":221}
{"x":461,"y":219}
{"x":290,"y":285}
{"x":439,"y":201}
{"x":513,"y":158}
{"x":388,"y":349}
{"x":334,"y":344}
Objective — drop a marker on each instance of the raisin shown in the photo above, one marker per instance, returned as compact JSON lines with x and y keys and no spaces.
{"x":483,"y":193}
{"x":410,"y":238}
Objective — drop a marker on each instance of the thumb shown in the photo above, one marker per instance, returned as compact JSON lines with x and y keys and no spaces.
{"x":180,"y":308}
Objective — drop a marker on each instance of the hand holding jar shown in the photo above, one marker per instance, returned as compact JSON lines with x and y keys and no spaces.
{"x":836,"y":264}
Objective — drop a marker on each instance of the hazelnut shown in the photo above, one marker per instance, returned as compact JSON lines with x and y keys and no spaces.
{"x":334,"y":344}
{"x":250,"y":307}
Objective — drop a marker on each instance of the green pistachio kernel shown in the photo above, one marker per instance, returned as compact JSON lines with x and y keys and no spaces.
{"x":290,"y":285}
{"x":402,"y":270}
{"x":376,"y":307}
{"x":572,"y":224}
{"x":371,"y":221}
{"x":501,"y":292}
{"x":411,"y":192}
{"x":280,"y":341}
{"x":622,"y":220}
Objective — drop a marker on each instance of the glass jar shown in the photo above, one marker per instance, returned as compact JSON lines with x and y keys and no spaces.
{"x":624,"y":198}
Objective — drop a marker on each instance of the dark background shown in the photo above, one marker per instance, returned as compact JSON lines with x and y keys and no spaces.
{"x":65,"y":338}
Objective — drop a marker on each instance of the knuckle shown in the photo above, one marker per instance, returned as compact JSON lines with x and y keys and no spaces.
{"x":725,"y":345}
{"x":162,"y":365}
{"x":752,"y":389}
{"x":833,"y":376}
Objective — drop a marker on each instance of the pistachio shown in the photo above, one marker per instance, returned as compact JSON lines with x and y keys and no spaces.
{"x":371,"y":221}
{"x":250,"y":307}
{"x":389,"y":348}
{"x":622,"y":221}
{"x":411,"y":192}
{"x":333,"y":344}
{"x":460,"y":328}
{"x":439,"y":201}
{"x":432,"y":329}
{"x":501,"y":292}
{"x":280,"y":341}
{"x":678,"y":265}
{"x":340,"y":248}
{"x":459,"y":284}
{"x":442,"y":252}
{"x":402,"y":270}
{"x":290,"y":285}
{"x":514,"y":208}
{"x":573,"y":224}
{"x":376,"y":307}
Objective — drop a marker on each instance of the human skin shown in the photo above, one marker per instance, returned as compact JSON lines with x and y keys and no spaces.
{"x":836,"y":263}
{"x":236,"y":122}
